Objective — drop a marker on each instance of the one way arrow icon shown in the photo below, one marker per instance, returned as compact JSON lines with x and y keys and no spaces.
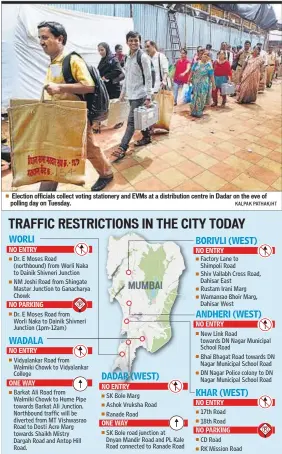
{"x":80,"y":350}
{"x":80,"y":383}
{"x":176,"y":422}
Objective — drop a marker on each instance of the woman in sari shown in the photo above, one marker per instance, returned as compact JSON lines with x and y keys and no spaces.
{"x":202,"y":78}
{"x":250,"y":77}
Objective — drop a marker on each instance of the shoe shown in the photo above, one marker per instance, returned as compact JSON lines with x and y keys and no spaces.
{"x":142,"y":142}
{"x":175,"y":104}
{"x":214,"y":104}
{"x":101,"y":183}
{"x":3,"y":140}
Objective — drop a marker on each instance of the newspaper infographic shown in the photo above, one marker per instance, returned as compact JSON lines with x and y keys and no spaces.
{"x":141,"y":228}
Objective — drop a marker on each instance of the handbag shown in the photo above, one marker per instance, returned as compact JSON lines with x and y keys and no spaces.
{"x":165,"y":101}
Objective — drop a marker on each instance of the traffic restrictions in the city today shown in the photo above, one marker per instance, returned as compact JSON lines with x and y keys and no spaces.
{"x":148,"y":333}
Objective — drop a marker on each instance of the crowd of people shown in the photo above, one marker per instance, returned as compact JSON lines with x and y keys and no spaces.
{"x":249,"y":69}
{"x":142,"y":73}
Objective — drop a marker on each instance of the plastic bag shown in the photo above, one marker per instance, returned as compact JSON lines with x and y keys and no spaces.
{"x":187,"y":93}
{"x":171,"y":71}
{"x":165,"y":101}
{"x":48,"y":141}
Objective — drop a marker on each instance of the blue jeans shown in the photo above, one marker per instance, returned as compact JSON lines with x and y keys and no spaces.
{"x":175,"y":90}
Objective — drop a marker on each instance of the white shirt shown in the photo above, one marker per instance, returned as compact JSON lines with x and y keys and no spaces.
{"x":263,"y":54}
{"x":229,"y":55}
{"x":133,"y":86}
{"x":160,"y":63}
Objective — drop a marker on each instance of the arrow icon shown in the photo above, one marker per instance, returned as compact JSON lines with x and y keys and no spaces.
{"x":175,"y":384}
{"x":176,"y":422}
{"x":80,"y":384}
{"x":80,"y":351}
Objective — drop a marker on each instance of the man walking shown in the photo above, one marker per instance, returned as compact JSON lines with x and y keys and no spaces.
{"x":209,"y":50}
{"x":262,"y":81}
{"x":137,"y":88}
{"x":160,"y":63}
{"x":120,"y":55}
{"x":242,"y":55}
{"x":53,"y":38}
{"x":227,"y":49}
{"x":271,"y":63}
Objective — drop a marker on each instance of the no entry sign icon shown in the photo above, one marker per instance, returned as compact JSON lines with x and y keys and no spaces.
{"x":81,"y":249}
{"x":175,"y":386}
{"x":265,"y":402}
{"x":265,"y":250}
{"x":80,"y":351}
{"x":265,"y":324}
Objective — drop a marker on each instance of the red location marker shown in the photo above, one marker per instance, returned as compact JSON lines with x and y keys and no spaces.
{"x":128,"y":272}
{"x":128,"y":342}
{"x":126,"y":321}
{"x":122,"y":354}
{"x":142,"y":338}
{"x":129,"y":303}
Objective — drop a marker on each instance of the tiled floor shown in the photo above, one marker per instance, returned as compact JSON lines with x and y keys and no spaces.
{"x":233,"y":149}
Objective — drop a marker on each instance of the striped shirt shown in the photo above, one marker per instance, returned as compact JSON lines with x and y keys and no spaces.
{"x":133,"y":87}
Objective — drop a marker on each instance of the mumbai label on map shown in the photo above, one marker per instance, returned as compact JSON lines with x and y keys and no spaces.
{"x":145,"y":281}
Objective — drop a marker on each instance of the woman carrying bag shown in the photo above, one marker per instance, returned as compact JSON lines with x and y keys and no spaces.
{"x":181,"y":75}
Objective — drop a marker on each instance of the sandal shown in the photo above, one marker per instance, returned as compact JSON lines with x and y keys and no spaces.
{"x":119,"y":154}
{"x":97,"y":128}
{"x":118,"y":125}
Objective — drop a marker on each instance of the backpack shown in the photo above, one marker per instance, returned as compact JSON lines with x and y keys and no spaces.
{"x":97,"y":102}
{"x":139,"y":61}
{"x":121,"y":77}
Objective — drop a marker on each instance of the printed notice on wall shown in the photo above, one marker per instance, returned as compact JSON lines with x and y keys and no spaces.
{"x":141,"y":245}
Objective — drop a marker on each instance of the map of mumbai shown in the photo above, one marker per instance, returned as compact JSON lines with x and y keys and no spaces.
{"x":145,"y":280}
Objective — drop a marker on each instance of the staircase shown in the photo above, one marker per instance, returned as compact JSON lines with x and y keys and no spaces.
{"x":174,"y":35}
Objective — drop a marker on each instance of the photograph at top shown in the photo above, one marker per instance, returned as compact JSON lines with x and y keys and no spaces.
{"x":141,"y":97}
